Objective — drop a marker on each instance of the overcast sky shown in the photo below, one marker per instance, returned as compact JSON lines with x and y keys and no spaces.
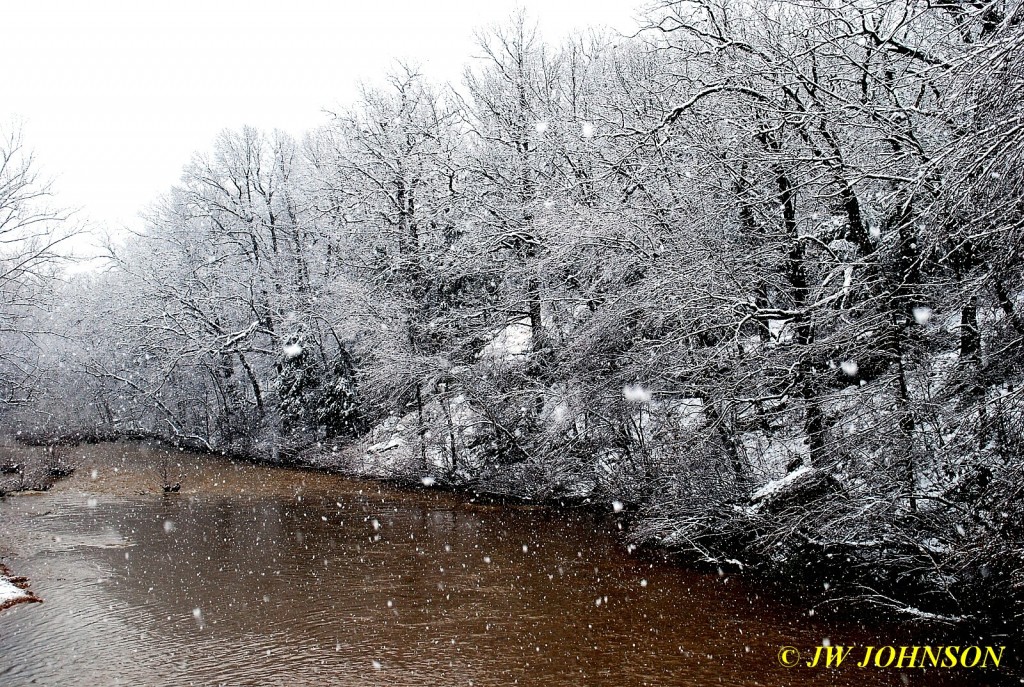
{"x":115,"y":96}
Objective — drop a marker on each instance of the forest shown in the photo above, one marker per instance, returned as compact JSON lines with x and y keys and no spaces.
{"x":753,"y":275}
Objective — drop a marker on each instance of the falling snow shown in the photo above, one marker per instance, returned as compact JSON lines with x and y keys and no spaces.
{"x":922,"y":314}
{"x":634,"y":393}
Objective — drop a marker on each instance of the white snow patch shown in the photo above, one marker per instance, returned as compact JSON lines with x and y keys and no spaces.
{"x":8,"y":592}
{"x":850,"y":367}
{"x":513,"y":341}
{"x":587,"y":130}
{"x":541,"y":127}
{"x":778,"y":331}
{"x":394,"y":442}
{"x":560,"y":414}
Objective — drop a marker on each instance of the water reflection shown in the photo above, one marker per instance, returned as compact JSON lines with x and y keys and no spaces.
{"x":279,"y":577}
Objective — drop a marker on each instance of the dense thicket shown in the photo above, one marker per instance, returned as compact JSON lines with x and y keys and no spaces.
{"x":757,"y":271}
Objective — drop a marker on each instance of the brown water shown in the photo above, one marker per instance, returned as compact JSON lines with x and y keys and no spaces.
{"x":260,"y":576}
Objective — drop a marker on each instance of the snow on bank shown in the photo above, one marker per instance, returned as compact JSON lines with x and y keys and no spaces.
{"x":778,"y":486}
{"x":9,"y":593}
{"x":12,"y":591}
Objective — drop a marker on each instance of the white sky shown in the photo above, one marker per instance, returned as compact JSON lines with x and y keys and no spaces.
{"x":114,"y":96}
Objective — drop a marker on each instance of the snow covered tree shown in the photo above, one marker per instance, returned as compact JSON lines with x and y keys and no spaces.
{"x":315,"y":394}
{"x":32,"y":235}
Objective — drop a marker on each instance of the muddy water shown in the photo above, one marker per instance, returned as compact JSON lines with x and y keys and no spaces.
{"x":259,"y":576}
